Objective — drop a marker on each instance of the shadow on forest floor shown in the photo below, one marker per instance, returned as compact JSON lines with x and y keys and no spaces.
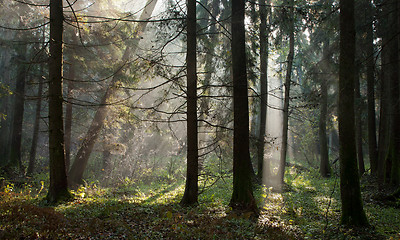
{"x":310,"y":209}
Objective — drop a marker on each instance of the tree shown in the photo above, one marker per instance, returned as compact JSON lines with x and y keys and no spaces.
{"x":242,"y":195}
{"x":323,"y":140}
{"x":384,"y":92}
{"x":264,"y":32}
{"x":288,"y":79}
{"x":82,"y":157}
{"x":389,"y":130}
{"x":191,"y":188}
{"x":352,"y":206}
{"x":370,"y":68}
{"x":394,"y":148}
{"x":16,"y":134}
{"x":58,"y":190}
{"x":32,"y":153}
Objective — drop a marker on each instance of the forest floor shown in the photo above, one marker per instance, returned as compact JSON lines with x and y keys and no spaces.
{"x":309,"y":209}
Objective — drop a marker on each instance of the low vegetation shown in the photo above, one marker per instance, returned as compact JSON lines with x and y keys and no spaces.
{"x":309,"y":209}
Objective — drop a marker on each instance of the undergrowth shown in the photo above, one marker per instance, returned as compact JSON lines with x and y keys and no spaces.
{"x":310,"y":209}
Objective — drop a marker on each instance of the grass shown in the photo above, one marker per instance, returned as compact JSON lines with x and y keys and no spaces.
{"x":310,"y":209}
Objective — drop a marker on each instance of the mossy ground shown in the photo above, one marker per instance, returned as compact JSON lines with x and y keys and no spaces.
{"x":310,"y":209}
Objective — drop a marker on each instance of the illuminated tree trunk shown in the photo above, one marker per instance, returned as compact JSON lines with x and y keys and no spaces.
{"x":264,"y":91}
{"x":82,"y":157}
{"x":191,"y":188}
{"x":352,"y":206}
{"x":242,"y":196}
{"x":58,"y":190}
{"x":288,"y":79}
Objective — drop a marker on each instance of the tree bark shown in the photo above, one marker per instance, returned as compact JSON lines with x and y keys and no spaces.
{"x":263,"y":169}
{"x":384,"y":119}
{"x":388,"y":142}
{"x":36,"y":126}
{"x":82,"y":157}
{"x":68,"y":117}
{"x":352,"y":206}
{"x":372,"y":144}
{"x":18,"y":116}
{"x":5,"y":120}
{"x":324,"y":169}
{"x":58,"y":190}
{"x":395,"y":90}
{"x":288,"y":79}
{"x":242,"y":195}
{"x":191,"y":188}
{"x":358,"y":123}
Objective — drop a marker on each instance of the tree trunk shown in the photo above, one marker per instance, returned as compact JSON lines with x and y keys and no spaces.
{"x":395,"y":100}
{"x":352,"y":206}
{"x":324,"y":169}
{"x":288,"y":79}
{"x":58,"y":190}
{"x":82,"y":157}
{"x":358,"y":123}
{"x":191,"y":188}
{"x":68,"y":117}
{"x":264,"y":170}
{"x":209,"y":68}
{"x":372,"y":145}
{"x":5,"y":123}
{"x":18,"y":116}
{"x":389,"y":75}
{"x":384,"y":122}
{"x":36,"y":126}
{"x":242,"y":195}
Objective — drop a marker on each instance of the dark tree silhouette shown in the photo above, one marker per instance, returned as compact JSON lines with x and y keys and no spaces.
{"x":58,"y":190}
{"x":242,"y":196}
{"x":352,"y":207}
{"x":191,"y":188}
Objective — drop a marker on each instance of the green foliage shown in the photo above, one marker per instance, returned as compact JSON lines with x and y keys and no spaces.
{"x":134,"y":210}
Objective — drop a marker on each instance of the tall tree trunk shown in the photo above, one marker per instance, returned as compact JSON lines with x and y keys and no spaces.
{"x":288,"y":79}
{"x":372,"y":145}
{"x":18,"y":116}
{"x":352,"y":206}
{"x":384,"y":122}
{"x":388,"y":80}
{"x":5,"y":123}
{"x":358,"y":123}
{"x":68,"y":117}
{"x":263,"y":169}
{"x":82,"y":157}
{"x":395,"y":90}
{"x":58,"y":190}
{"x":191,"y":188}
{"x":242,"y":195}
{"x":324,"y":169}
{"x":209,"y":68}
{"x":36,"y":126}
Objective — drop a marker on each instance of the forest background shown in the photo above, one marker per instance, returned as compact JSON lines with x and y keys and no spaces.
{"x":260,"y":117}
